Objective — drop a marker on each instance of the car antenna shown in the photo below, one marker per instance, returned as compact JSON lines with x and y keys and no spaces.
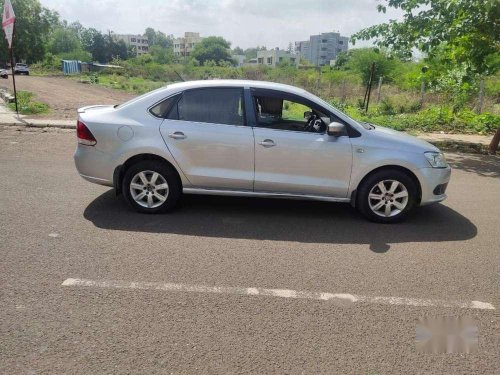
{"x":178,"y":75}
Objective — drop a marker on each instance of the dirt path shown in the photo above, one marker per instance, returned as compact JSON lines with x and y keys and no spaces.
{"x":65,"y":95}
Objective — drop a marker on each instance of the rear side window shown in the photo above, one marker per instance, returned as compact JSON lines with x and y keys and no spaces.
{"x":162,"y":109}
{"x":215,"y":106}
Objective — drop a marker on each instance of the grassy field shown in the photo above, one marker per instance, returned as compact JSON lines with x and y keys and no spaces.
{"x":398,"y":106}
{"x":27,"y":105}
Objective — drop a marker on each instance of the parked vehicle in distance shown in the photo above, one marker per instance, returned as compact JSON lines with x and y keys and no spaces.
{"x":256,"y":139}
{"x":21,"y":69}
{"x":4,"y":73}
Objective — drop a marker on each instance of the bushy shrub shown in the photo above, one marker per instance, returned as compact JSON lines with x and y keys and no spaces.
{"x":27,"y":106}
{"x":386,"y":107}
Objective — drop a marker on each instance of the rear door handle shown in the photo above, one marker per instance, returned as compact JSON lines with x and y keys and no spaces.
{"x":267,"y":143}
{"x":177,"y":135}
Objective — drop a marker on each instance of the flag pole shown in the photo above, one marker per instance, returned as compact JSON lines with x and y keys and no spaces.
{"x":12,"y":66}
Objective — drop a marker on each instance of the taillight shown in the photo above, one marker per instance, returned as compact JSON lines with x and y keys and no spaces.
{"x":85,"y":136}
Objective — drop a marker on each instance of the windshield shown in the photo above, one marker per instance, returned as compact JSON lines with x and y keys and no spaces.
{"x":137,"y":98}
{"x":365,"y":125}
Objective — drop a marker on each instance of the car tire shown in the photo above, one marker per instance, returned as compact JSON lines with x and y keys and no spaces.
{"x":151,"y":187}
{"x":387,"y":196}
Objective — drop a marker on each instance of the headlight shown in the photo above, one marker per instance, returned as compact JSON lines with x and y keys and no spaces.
{"x":436,"y":159}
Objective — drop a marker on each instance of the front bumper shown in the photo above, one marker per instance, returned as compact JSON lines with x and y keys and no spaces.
{"x":433,"y":182}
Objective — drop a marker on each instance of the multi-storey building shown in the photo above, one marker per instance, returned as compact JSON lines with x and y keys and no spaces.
{"x":184,"y":46}
{"x":275,"y":56}
{"x":321,"y":49}
{"x":138,"y":42}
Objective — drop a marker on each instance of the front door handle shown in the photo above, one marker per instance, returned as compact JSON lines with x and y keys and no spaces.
{"x":177,"y":135}
{"x":267,"y":143}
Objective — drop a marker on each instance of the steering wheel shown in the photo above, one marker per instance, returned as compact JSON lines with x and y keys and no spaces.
{"x":310,"y":123}
{"x":314,"y":125}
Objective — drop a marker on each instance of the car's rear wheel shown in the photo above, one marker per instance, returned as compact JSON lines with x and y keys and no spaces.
{"x":151,"y":186}
{"x":387,"y":196}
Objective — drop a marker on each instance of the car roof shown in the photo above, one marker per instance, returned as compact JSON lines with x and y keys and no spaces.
{"x":181,"y":86}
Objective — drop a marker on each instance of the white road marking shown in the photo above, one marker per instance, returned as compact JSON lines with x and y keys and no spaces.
{"x":282,"y":293}
{"x":54,"y":235}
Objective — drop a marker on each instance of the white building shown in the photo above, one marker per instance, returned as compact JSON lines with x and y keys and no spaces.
{"x":138,"y":42}
{"x":321,"y":49}
{"x":184,"y":46}
{"x":276,"y":56}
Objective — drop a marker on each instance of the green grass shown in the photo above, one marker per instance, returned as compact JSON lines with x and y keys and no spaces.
{"x":431,"y":119}
{"x":27,"y":106}
{"x":136,"y":85}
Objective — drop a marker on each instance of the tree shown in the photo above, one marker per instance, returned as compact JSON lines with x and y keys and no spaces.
{"x":115,"y":49}
{"x":469,"y":27}
{"x":162,"y":55}
{"x":212,"y":48}
{"x":93,"y":41}
{"x":158,"y":38}
{"x":151,"y":34}
{"x":467,"y":30}
{"x":33,"y":26}
{"x":64,"y":39}
{"x":238,"y":51}
{"x":361,"y":59}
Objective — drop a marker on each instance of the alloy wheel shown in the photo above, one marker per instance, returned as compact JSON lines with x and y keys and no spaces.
{"x":388,"y":198}
{"x":149,"y":189}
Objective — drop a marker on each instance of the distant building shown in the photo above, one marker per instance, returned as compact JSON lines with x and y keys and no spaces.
{"x":320,"y":49}
{"x":184,"y":46}
{"x":138,"y":42}
{"x":250,"y":62}
{"x":302,"y":49}
{"x":238,"y":59}
{"x":275,"y":56}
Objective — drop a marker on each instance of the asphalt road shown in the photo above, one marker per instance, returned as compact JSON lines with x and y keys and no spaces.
{"x":55,"y":226}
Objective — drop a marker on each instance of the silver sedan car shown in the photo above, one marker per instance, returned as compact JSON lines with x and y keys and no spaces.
{"x":253,"y":139}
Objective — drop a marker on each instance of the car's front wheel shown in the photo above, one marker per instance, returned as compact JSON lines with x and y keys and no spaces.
{"x":151,"y":186}
{"x":387,"y":196}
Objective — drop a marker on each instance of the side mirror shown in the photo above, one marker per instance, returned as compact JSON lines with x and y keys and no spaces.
{"x":336,"y":129}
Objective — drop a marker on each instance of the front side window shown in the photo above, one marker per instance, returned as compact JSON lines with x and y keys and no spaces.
{"x":211,"y":105}
{"x":278,"y":113}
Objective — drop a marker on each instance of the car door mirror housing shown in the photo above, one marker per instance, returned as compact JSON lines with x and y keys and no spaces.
{"x":336,"y":129}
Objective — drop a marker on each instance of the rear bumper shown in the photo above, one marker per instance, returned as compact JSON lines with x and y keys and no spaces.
{"x":433,"y":182}
{"x":96,"y":180}
{"x":93,"y":165}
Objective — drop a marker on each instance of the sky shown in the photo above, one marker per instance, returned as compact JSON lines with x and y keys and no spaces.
{"x":245,"y":23}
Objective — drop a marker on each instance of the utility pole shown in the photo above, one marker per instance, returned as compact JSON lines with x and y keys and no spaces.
{"x":369,"y":88}
{"x":480,"y":101}
{"x":422,"y":94}
{"x":379,"y":89}
{"x":8,"y":24}
{"x":13,"y":74}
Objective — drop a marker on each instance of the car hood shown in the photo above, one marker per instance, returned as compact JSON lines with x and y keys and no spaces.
{"x":401,"y":140}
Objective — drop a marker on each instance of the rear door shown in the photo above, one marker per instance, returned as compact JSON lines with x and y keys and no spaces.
{"x":207,"y":135}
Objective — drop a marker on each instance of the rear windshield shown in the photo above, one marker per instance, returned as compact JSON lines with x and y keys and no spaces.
{"x":133,"y":100}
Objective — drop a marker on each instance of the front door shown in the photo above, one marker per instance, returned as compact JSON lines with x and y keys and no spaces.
{"x":207,"y":136}
{"x":293,"y":152}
